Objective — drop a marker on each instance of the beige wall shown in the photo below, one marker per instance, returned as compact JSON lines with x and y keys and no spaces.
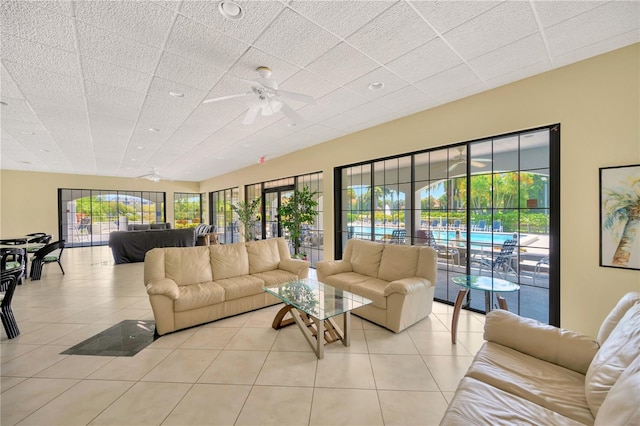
{"x":596,"y":102}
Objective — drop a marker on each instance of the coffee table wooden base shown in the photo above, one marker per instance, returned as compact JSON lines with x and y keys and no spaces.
{"x":311,"y":328}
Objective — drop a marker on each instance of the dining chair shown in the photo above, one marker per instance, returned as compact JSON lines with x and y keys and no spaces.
{"x":14,"y":258}
{"x":47,"y":254}
{"x":10,"y":275}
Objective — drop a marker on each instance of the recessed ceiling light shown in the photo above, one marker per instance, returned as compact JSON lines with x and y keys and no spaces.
{"x":26,"y":162}
{"x":291,"y":124}
{"x":176,"y":94}
{"x":153,"y":129}
{"x":25,"y":132}
{"x":44,"y":150}
{"x":230,"y":10}
{"x":376,"y":85}
{"x":134,"y":159}
{"x":143,"y":148}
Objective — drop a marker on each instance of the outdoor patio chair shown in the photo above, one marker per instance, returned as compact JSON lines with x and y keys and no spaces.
{"x":542,"y":263}
{"x":497,"y":226}
{"x":501,"y":263}
{"x":47,"y":254}
{"x":482,"y":225}
{"x":398,"y":236}
{"x":443,"y":252}
{"x":14,"y":258}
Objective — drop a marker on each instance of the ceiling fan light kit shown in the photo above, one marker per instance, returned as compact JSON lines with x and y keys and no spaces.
{"x":266,"y":99}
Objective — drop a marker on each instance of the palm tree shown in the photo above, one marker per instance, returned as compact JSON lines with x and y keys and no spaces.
{"x":622,"y":207}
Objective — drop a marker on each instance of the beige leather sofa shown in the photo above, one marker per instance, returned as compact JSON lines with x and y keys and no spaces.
{"x":399,"y":279}
{"x":194,"y":285}
{"x":531,"y":373}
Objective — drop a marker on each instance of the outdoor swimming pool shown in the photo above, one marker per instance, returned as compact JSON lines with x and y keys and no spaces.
{"x":478,"y":239}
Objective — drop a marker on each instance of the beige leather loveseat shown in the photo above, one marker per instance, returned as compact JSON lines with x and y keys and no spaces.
{"x":195,"y":285}
{"x":531,"y":373}
{"x":399,"y":279}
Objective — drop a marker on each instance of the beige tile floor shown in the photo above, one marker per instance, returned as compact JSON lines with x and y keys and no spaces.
{"x":234,"y":371}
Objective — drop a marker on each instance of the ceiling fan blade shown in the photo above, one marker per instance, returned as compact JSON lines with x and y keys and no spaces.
{"x":224,"y":98}
{"x":293,"y":116}
{"x":297,"y":97}
{"x":454,"y":165}
{"x":253,"y":83}
{"x":479,"y":163}
{"x":251,"y":116}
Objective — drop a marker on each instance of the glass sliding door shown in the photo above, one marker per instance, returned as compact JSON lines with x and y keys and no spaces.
{"x":223,"y":217}
{"x":487,"y":207}
{"x":88,"y":216}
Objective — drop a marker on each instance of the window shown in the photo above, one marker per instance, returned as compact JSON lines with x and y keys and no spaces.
{"x":187,"y":209}
{"x":223,"y":217}
{"x":87,"y":216}
{"x":466,"y":201}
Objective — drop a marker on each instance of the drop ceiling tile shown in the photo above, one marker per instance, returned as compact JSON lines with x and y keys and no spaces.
{"x":342,"y":99}
{"x":169,"y":4}
{"x":452,"y":80}
{"x":551,"y":13}
{"x":38,"y":82}
{"x":295,"y":39}
{"x":604,"y":22}
{"x":113,"y":75}
{"x":446,"y":15}
{"x":187,"y":72}
{"x":257,"y":16}
{"x":598,"y":48}
{"x":504,"y":24}
{"x":204,"y":45}
{"x":342,"y":18}
{"x":308,"y":84}
{"x":393,"y":33}
{"x":353,"y":64}
{"x":424,"y":61}
{"x":520,"y":54}
{"x":113,"y":101}
{"x":51,"y":105}
{"x":462,"y":92}
{"x":27,"y":20}
{"x":254,"y":58}
{"x":405,"y":98}
{"x":160,"y":90}
{"x":18,"y":109}
{"x":61,"y":7}
{"x":390,"y":80}
{"x":8,"y":88}
{"x":519,"y":74}
{"x":109,"y":47}
{"x":39,"y":55}
{"x":24,"y":131}
{"x":143,"y":21}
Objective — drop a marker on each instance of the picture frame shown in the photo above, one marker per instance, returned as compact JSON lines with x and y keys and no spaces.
{"x":620,"y":217}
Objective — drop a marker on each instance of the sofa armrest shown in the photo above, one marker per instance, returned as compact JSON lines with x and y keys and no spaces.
{"x":296,"y":266}
{"x":406,"y":285}
{"x":166,"y":287}
{"x":326,"y":268}
{"x":566,"y":348}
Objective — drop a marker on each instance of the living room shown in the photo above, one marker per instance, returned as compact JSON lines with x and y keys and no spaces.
{"x":595,"y":100}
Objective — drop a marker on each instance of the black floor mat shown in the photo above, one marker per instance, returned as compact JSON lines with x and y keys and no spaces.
{"x":126,"y":338}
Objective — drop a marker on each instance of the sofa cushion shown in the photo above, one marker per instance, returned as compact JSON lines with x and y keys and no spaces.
{"x":619,"y":408}
{"x":237,"y":287}
{"x":198,"y":295}
{"x":477,"y":403}
{"x":364,"y":256}
{"x":616,"y":353}
{"x":187,"y":266}
{"x":141,"y":226}
{"x":263,"y":255}
{"x":345,"y":280}
{"x":398,"y":262}
{"x":373,"y":289}
{"x":277,"y":276}
{"x":229,"y":260}
{"x":548,"y":385}
{"x":610,"y":322}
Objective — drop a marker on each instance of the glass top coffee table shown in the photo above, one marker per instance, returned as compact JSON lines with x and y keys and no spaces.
{"x":489,"y":285}
{"x":313,"y":305}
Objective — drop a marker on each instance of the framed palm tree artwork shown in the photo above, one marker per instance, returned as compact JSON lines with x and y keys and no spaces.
{"x":620,"y":217}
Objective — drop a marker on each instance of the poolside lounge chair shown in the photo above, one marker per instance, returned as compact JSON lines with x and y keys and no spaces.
{"x":456,"y":224}
{"x":434,"y":223}
{"x":442,"y":251}
{"x":444,"y":223}
{"x":497,"y":226}
{"x":542,"y":263}
{"x":398,"y":236}
{"x":501,"y":264}
{"x":482,"y":225}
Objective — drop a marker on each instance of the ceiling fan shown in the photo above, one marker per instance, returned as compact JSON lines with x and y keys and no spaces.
{"x":461,"y":158}
{"x":265,"y":98}
{"x":153,"y":176}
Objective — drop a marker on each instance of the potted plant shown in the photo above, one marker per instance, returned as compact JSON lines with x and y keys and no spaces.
{"x":248,"y":216}
{"x":298,"y":210}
